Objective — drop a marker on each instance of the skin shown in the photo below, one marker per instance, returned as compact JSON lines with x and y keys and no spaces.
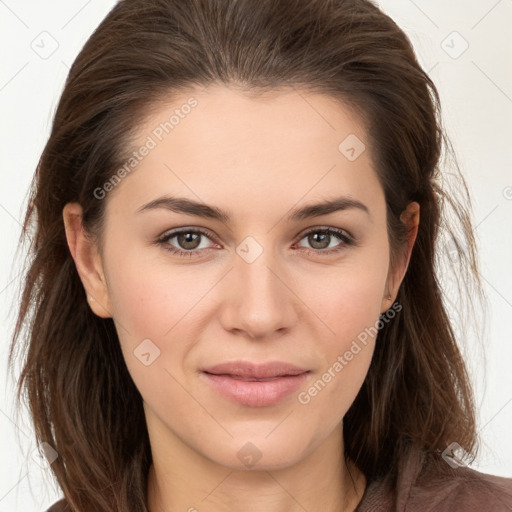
{"x":256,"y":158}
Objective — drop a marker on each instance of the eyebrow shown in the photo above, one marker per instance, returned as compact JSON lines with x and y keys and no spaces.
{"x":191,"y":207}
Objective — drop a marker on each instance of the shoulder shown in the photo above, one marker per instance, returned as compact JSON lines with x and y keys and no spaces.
{"x":59,"y":506}
{"x":463,"y":489}
{"x":429,"y":484}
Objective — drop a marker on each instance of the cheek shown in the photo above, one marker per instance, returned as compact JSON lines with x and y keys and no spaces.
{"x":347,"y":298}
{"x":150,"y":296}
{"x":154,"y":304}
{"x":165,"y":303}
{"x":351,"y":311}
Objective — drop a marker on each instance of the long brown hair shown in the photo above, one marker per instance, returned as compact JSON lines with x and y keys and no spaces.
{"x":82,"y":399}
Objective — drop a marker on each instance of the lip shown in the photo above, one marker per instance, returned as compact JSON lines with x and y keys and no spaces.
{"x":255,"y":385}
{"x":255,"y":393}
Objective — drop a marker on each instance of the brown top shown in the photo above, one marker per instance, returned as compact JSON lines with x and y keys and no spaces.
{"x":427,"y":487}
{"x":435,"y":486}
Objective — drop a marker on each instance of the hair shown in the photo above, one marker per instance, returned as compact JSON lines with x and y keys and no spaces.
{"x":82,"y":400}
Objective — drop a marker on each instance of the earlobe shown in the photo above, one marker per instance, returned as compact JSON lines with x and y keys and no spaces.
{"x":411,"y":218}
{"x":87,"y":261}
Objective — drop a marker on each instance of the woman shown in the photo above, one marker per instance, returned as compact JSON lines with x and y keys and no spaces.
{"x":233,"y":301}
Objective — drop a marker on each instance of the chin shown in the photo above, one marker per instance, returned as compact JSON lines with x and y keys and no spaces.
{"x":258,"y":453}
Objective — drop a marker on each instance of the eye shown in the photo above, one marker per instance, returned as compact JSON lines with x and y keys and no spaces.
{"x":188,"y":241}
{"x":321,"y":240}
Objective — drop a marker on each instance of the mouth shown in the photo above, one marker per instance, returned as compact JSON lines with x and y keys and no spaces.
{"x":255,"y":386}
{"x":255,"y":371}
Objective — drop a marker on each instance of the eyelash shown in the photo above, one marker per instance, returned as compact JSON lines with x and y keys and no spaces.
{"x":346,"y":240}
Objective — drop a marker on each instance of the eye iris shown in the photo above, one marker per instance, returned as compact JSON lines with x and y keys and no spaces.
{"x":313,"y":240}
{"x":188,"y":240}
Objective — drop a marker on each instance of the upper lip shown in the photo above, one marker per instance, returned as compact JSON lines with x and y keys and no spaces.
{"x":248,"y":369}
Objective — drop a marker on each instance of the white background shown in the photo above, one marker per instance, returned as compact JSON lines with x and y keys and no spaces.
{"x":476,"y":94}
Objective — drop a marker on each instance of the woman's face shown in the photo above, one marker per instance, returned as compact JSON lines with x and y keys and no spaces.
{"x":255,"y":281}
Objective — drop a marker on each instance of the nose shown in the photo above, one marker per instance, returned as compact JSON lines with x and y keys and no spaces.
{"x":259,"y":299}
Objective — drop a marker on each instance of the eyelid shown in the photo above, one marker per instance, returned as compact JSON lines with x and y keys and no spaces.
{"x":186,"y":229}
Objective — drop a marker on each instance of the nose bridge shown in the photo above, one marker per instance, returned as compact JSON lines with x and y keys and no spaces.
{"x":261,"y":302}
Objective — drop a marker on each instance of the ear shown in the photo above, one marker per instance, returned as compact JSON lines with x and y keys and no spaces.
{"x":87,"y":260}
{"x":411,"y":218}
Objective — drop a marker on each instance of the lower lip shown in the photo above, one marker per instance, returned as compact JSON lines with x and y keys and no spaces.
{"x":255,"y":393}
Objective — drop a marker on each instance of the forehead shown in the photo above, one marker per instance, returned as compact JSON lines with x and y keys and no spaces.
{"x":229,"y":122}
{"x":221,"y":143}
